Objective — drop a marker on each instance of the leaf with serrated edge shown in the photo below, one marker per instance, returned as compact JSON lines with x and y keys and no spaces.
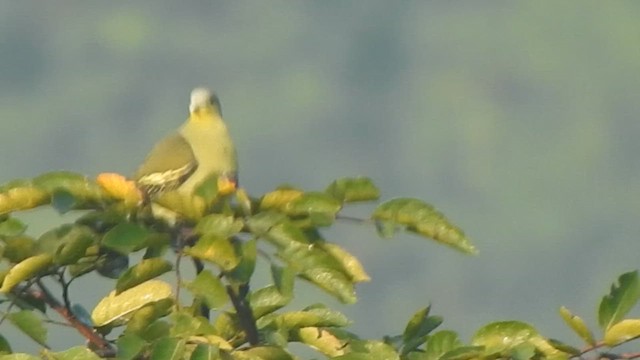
{"x":577,"y":325}
{"x":353,"y":189}
{"x":623,"y":296}
{"x":422,"y":219}
{"x":622,"y":331}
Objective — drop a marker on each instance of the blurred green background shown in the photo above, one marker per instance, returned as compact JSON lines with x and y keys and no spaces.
{"x":517,"y":119}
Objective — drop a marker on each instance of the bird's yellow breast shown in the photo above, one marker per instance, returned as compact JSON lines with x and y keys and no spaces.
{"x":211,"y":145}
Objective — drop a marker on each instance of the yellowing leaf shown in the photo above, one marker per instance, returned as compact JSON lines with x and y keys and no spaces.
{"x":24,"y":270}
{"x":118,"y":187}
{"x":578,"y":325}
{"x":280,"y":199}
{"x":22,"y":198}
{"x":622,"y":331}
{"x":350,"y":263}
{"x":114,"y":307}
{"x":322,"y":340}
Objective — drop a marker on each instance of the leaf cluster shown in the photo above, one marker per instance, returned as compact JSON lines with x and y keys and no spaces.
{"x":215,"y":314}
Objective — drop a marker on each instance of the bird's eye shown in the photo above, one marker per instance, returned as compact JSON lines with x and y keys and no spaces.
{"x":216,"y":103}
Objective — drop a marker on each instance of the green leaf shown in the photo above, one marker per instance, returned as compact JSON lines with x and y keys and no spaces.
{"x":577,"y":325}
{"x":81,"y":187}
{"x":279,"y":199}
{"x":283,"y":278}
{"x":24,"y":270}
{"x":215,"y":249}
{"x":263,"y":221}
{"x":190,"y":207}
{"x":73,"y":242}
{"x":524,"y":351}
{"x":464,"y":353}
{"x":247,"y":252}
{"x":168,"y":349}
{"x":416,"y":331}
{"x":219,"y":225}
{"x":186,"y":324}
{"x":500,"y":338}
{"x":156,"y":330}
{"x":353,"y":189}
{"x":64,"y":201}
{"x":118,"y":306}
{"x":622,"y":331}
{"x":140,"y":320}
{"x":146,"y":269}
{"x":262,"y":353}
{"x":333,"y":282}
{"x":317,"y":317}
{"x":267,"y":300}
{"x":205,"y":352}
{"x":622,"y":297}
{"x":129,"y":346}
{"x":19,"y":248}
{"x":320,"y":206}
{"x":208,"y":189}
{"x":440,"y":343}
{"x":317,"y":266}
{"x":75,"y":353}
{"x":210,"y":289}
{"x":111,"y":264}
{"x":30,"y":324}
{"x":423,"y":219}
{"x":125,"y":238}
{"x":284,"y":234}
{"x":5,"y":347}
{"x":565,"y":348}
{"x":12,"y":227}
{"x":374,"y":350}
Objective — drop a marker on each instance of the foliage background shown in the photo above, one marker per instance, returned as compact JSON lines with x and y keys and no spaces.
{"x":518,"y":119}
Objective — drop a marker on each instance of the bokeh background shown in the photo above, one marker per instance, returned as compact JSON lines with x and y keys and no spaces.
{"x":517,"y":119}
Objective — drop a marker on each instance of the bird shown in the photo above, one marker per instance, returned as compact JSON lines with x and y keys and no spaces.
{"x":199,"y":149}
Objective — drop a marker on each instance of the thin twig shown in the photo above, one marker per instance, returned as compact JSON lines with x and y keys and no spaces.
{"x":353,"y":219}
{"x":94,"y":338}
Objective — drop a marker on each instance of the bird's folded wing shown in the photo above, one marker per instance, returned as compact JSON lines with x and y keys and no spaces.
{"x":167,"y":166}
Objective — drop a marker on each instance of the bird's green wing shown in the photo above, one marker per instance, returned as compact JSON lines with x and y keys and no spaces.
{"x":167,"y":166}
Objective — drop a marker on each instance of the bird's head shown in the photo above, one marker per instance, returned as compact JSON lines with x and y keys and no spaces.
{"x":203,"y":98}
